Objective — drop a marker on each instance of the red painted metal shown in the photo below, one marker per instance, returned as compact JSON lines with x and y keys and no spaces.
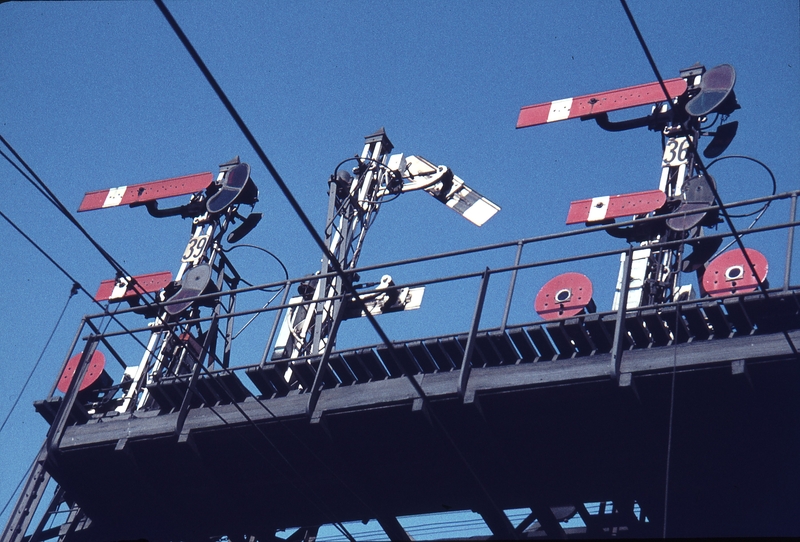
{"x":729,"y":273}
{"x":603,"y":102}
{"x":565,"y":295}
{"x":636,"y":203}
{"x":96,"y":365}
{"x":140,"y":193}
{"x":140,"y":284}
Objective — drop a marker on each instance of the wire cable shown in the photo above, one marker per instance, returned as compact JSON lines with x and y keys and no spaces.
{"x":39,"y":359}
{"x":764,"y":207}
{"x":21,"y":481}
{"x":262,"y":249}
{"x":698,"y":161}
{"x":334,"y":263}
{"x":703,"y":169}
{"x":758,"y":212}
{"x":646,"y":52}
{"x":42,"y":187}
{"x":45,"y":254}
{"x":75,"y":283}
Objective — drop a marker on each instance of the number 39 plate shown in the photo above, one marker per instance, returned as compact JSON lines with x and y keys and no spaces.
{"x":195,"y":249}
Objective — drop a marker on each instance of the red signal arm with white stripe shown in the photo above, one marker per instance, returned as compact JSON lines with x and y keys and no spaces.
{"x":136,"y":286}
{"x":141,"y":193}
{"x":608,"y":207}
{"x":603,"y":102}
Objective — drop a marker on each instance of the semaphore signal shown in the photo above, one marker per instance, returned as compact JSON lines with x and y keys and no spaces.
{"x":680,"y":108}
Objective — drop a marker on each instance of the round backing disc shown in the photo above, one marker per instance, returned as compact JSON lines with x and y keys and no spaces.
{"x":715,"y":86}
{"x":565,"y":295}
{"x":193,"y":283}
{"x":729,"y":273}
{"x":96,"y":365}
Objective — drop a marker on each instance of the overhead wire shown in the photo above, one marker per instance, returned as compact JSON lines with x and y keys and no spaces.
{"x":75,"y":282}
{"x":758,"y":212}
{"x":41,"y":355}
{"x":646,"y":50}
{"x":45,"y":190}
{"x":337,"y":268}
{"x":34,"y":179}
{"x":44,"y":253}
{"x":698,"y":161}
{"x":737,"y":239}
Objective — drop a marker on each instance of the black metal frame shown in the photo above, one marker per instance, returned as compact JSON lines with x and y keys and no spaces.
{"x":618,"y":335}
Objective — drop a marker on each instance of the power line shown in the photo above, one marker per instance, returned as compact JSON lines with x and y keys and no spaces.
{"x":698,"y":161}
{"x":45,"y":254}
{"x":736,"y":235}
{"x":40,"y":185}
{"x":35,"y":365}
{"x":75,"y":283}
{"x":337,"y":268}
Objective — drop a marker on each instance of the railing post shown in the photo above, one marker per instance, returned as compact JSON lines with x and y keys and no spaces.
{"x":619,"y":330}
{"x":275,"y":323}
{"x":62,"y":416}
{"x":466,"y":363}
{"x":324,"y":362}
{"x":511,"y":285}
{"x":191,"y":389}
{"x":790,"y":244}
{"x":72,"y":346}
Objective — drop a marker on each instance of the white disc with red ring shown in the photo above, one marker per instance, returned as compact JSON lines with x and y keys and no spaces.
{"x":729,"y":273}
{"x":565,"y":295}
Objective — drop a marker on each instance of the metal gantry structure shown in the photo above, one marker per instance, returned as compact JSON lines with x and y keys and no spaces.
{"x":191,"y":443}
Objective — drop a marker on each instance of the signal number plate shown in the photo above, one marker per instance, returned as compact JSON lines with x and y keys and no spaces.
{"x":195,"y":249}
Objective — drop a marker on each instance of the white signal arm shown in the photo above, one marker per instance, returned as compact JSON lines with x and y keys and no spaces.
{"x":440,"y":182}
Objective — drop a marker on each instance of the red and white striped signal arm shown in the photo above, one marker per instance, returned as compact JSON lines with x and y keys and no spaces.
{"x":608,"y":207}
{"x":130,"y":287}
{"x":144,"y":192}
{"x":603,"y":102}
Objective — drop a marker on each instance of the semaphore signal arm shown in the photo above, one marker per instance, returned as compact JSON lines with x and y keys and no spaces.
{"x":179,"y":343}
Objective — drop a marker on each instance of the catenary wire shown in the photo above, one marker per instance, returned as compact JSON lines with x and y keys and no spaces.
{"x":19,"y":485}
{"x":337,"y":268}
{"x":42,"y":187}
{"x":39,"y":359}
{"x":104,"y":308}
{"x":698,"y":161}
{"x":703,"y":169}
{"x":762,"y":286}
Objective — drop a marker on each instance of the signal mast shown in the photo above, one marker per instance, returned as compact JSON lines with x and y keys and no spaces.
{"x":681,"y":107}
{"x":353,"y":203}
{"x":180,"y":345}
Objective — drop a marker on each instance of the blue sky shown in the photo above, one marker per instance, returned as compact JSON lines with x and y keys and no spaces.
{"x":102,"y":94}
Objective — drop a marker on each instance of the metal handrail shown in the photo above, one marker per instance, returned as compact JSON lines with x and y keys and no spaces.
{"x":486,"y":273}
